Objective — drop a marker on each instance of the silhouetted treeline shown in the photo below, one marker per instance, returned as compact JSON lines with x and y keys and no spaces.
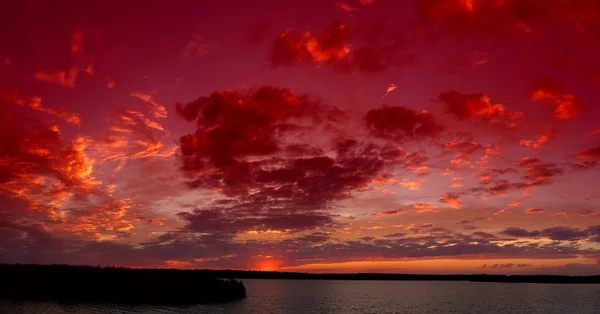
{"x":244,"y":274}
{"x":64,"y":283}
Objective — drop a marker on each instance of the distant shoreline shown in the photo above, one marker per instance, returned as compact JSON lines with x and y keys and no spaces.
{"x":551,"y":279}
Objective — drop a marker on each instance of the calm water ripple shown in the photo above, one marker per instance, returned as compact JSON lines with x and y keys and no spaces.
{"x":330,"y":296}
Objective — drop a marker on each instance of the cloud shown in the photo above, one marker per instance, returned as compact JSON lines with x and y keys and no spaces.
{"x":503,"y":19}
{"x":451,"y":199}
{"x":392,"y":87}
{"x":85,"y":42}
{"x":587,"y":213}
{"x":195,"y":47}
{"x":132,"y":134}
{"x":315,"y":237}
{"x":389,"y":212}
{"x":345,"y":7}
{"x":467,"y":106}
{"x":329,"y":46}
{"x":508,"y":265}
{"x":515,"y":203}
{"x":547,"y":135}
{"x":400,"y":124}
{"x":373,"y":49}
{"x":589,"y":153}
{"x":259,"y":147}
{"x":35,"y":103}
{"x":32,"y":148}
{"x":537,"y":171}
{"x":558,"y":233}
{"x":534,"y":211}
{"x":233,"y":220}
{"x":554,"y":94}
{"x":63,"y":78}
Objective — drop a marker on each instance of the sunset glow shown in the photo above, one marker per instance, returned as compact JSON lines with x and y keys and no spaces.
{"x":418,"y":136}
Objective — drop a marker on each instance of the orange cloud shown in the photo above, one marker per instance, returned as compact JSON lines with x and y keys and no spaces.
{"x":424,"y":206}
{"x":62,"y":77}
{"x":413,"y":185}
{"x":35,"y":103}
{"x":131,"y":134}
{"x":545,"y":137}
{"x":515,"y":203}
{"x":534,"y":211}
{"x":554,"y":94}
{"x":451,"y":199}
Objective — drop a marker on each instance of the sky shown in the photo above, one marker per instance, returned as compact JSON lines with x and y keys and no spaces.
{"x":418,"y":136}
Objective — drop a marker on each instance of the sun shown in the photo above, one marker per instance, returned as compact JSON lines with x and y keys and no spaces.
{"x":267,"y":265}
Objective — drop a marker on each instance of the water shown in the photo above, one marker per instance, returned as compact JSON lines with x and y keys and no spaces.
{"x":330,"y":296}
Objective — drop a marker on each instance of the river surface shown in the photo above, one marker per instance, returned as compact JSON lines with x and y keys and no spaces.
{"x":344,"y":296}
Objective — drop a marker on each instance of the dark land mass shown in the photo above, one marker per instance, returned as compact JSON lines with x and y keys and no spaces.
{"x":91,"y":284}
{"x":249,"y":274}
{"x":88,"y":284}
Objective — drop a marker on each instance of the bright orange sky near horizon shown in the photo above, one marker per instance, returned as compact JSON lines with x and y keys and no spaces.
{"x":418,"y":136}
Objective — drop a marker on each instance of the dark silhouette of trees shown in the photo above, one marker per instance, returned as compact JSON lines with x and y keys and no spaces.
{"x":64,"y":283}
{"x":245,"y":274}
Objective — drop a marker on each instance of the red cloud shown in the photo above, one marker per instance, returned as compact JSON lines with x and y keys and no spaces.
{"x":85,"y":42}
{"x":399,"y":123}
{"x":589,"y":153}
{"x":553,"y":93}
{"x":506,"y":18}
{"x":539,"y":172}
{"x":380,"y":48}
{"x":534,"y":211}
{"x":465,"y":106}
{"x":545,"y":137}
{"x":62,"y":77}
{"x":331,"y":46}
{"x":35,"y":103}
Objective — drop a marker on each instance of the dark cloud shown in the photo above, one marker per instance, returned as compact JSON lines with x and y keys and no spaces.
{"x":401,"y":124}
{"x":465,"y":106}
{"x":388,"y":212}
{"x":504,"y":19}
{"x":537,"y":171}
{"x":254,"y":146}
{"x":554,"y":233}
{"x":478,"y":105}
{"x":589,"y":153}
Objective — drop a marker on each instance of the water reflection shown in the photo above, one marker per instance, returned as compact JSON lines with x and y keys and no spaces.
{"x":328,"y":296}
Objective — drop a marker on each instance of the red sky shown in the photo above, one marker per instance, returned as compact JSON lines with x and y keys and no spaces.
{"x":422,"y":136}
